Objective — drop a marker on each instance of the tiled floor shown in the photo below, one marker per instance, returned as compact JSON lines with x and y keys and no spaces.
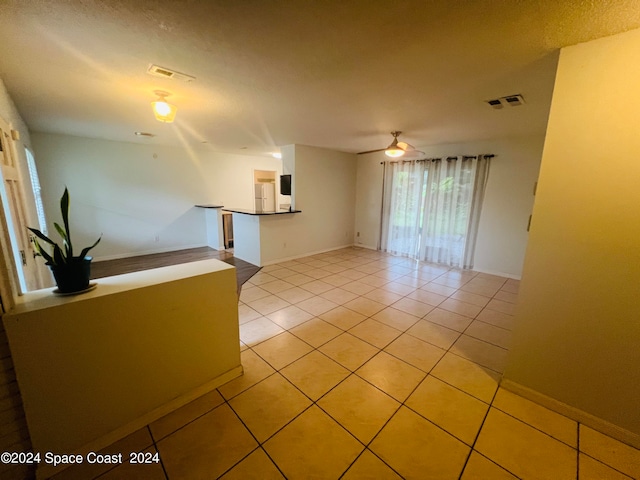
{"x":360,"y":365}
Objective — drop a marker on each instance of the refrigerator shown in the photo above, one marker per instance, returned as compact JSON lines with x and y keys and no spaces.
{"x":265,"y":197}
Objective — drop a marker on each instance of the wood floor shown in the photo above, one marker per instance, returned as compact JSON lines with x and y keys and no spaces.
{"x":107,"y":268}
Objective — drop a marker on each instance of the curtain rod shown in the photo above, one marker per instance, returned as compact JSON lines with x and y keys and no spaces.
{"x":464,"y":157}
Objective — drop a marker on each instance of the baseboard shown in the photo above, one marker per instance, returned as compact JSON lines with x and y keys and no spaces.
{"x":497,"y":273}
{"x":573,"y":413}
{"x":45,"y":471}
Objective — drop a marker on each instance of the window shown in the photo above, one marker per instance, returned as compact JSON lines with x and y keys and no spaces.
{"x":35,"y":184}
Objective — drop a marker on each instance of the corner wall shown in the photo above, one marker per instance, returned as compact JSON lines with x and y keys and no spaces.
{"x":141,"y":197}
{"x":577,"y":331}
{"x":502,"y":234}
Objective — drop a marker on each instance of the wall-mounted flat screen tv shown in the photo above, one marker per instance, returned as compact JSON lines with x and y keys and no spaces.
{"x":285,"y":184}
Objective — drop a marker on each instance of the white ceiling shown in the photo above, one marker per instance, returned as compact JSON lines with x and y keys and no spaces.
{"x":339,"y":74}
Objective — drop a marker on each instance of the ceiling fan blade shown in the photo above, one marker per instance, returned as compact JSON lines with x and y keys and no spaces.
{"x":372,"y":151}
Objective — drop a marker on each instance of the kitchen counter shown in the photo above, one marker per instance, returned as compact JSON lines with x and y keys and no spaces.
{"x":245,"y":211}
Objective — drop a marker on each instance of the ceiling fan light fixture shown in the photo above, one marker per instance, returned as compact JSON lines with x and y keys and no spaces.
{"x":393,"y":150}
{"x":164,"y":111}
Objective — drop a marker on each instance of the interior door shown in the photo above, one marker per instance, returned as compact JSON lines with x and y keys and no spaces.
{"x":13,"y":203}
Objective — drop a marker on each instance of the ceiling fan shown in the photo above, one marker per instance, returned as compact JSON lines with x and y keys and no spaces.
{"x":397,"y":149}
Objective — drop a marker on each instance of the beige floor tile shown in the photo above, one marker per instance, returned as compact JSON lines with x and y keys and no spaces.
{"x":276,"y":286}
{"x":299,"y":279}
{"x":349,"y":351}
{"x":415,"y":352}
{"x":258,"y":330}
{"x":318,"y":273}
{"x":339,"y":296}
{"x":370,"y":467}
{"x":430,"y":298}
{"x":468,"y":376}
{"x":448,"y":319}
{"x":295,"y":295}
{"x":255,"y":369}
{"x":268,"y":406}
{"x":489,"y":333}
{"x":453,"y":410}
{"x":365,"y":306}
{"x":257,"y":466}
{"x":369,"y":268}
{"x":434,"y":334}
{"x":375,"y":333}
{"x":189,"y":412}
{"x":359,"y":407}
{"x":138,"y":441}
{"x":342,"y":317}
{"x":411,"y":280}
{"x":414,"y":307}
{"x":496,"y":318}
{"x":501,"y":306}
{"x":391,"y":375}
{"x":336,"y":280}
{"x":282,"y":350}
{"x":439,"y":289}
{"x":278,"y":271}
{"x":396,"y":318}
{"x":207,"y":447}
{"x":591,"y":469}
{"x":246,"y":314}
{"x":313,"y":446}
{"x":484,"y":290}
{"x":267,"y":305}
{"x":616,"y":454}
{"x":460,"y":307}
{"x":398,"y":288}
{"x":551,"y":423}
{"x":142,"y":471}
{"x":261,"y":278}
{"x":383,"y":296}
{"x":483,"y":353}
{"x":301,"y":267}
{"x":317,"y":305}
{"x":252,"y":293}
{"x":353,"y":274}
{"x":316,"y":332}
{"x":358,"y":287}
{"x":511,"y":286}
{"x":417,"y":449}
{"x":376,"y":281}
{"x":317,"y":287}
{"x":315,"y":374}
{"x":289,"y":317}
{"x":523,"y":450}
{"x":481,"y":468}
{"x":472,"y":298}
{"x":335,"y":268}
{"x":506,"y":296}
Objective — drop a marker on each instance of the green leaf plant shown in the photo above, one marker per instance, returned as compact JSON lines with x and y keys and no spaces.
{"x":59,"y":255}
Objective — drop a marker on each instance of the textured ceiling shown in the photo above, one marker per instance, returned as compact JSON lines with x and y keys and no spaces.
{"x":335,"y":74}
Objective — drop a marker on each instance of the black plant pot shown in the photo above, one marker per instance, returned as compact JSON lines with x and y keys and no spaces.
{"x":72,"y":276}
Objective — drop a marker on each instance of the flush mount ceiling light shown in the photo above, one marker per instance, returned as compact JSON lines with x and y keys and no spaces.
{"x":163,"y":110}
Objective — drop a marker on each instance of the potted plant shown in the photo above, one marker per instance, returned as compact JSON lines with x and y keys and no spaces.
{"x":71,"y":272}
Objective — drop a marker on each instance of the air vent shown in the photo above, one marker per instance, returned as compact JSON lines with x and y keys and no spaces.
{"x":509,"y":100}
{"x":168,"y":73}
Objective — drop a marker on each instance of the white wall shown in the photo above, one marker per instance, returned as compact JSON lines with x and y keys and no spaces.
{"x":323,"y":187}
{"x":134,"y":193}
{"x":577,"y":331}
{"x":502,"y":234}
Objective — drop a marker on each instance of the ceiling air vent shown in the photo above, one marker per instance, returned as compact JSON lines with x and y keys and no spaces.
{"x":509,"y":100}
{"x":168,"y":73}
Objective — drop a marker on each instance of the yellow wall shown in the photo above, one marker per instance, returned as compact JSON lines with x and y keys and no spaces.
{"x":577,"y":335}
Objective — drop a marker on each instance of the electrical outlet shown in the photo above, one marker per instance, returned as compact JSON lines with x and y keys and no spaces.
{"x":156,"y":238}
{"x":357,"y":234}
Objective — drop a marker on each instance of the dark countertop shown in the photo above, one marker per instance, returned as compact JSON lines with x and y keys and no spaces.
{"x":256,"y":212}
{"x":208,"y":205}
